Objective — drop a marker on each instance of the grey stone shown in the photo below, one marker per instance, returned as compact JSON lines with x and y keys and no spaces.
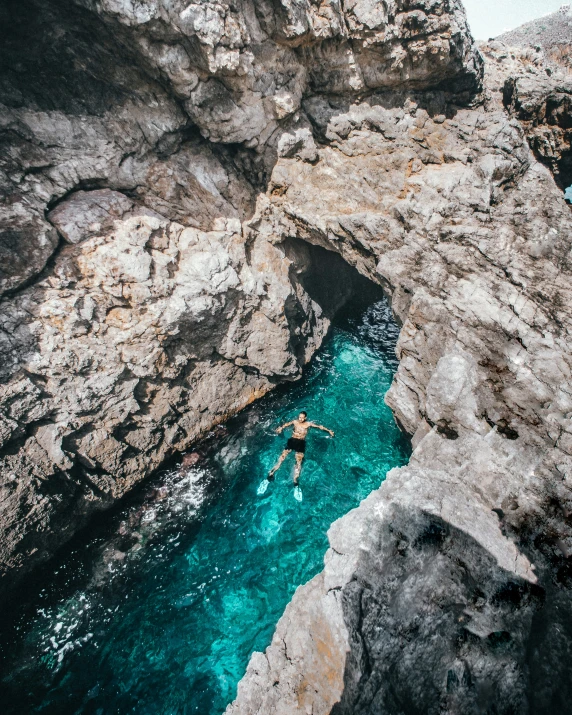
{"x":438,"y":574}
{"x":208,"y":167}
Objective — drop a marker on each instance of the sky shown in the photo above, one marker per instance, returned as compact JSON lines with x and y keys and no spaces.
{"x":488,"y":18}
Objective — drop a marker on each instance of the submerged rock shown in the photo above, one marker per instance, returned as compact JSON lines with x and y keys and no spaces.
{"x":189,"y":460}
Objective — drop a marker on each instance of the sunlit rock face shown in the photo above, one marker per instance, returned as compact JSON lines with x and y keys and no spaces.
{"x":240,"y":69}
{"x":457,"y":566}
{"x":141,"y":303}
{"x":165,"y":207}
{"x":137,"y":80}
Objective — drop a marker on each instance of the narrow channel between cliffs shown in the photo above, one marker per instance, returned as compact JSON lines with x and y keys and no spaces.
{"x":189,"y":194}
{"x":161,"y":607}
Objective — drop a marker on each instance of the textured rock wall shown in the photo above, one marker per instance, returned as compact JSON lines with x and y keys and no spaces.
{"x":448,"y":589}
{"x":544,"y":107}
{"x":107,"y":95}
{"x":141,"y":302}
{"x":170,"y":209}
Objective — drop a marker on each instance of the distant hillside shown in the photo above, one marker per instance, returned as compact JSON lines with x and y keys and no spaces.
{"x":552,"y":33}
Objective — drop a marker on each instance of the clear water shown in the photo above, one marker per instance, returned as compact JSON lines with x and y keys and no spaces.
{"x":159,"y":607}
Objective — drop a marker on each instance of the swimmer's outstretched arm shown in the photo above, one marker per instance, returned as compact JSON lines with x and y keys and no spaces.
{"x":324,"y":429}
{"x":279,"y":429}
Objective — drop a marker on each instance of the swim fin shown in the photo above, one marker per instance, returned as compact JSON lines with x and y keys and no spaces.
{"x":262,"y":487}
{"x":297,"y":493}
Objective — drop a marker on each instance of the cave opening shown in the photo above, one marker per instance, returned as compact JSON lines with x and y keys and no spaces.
{"x":563,"y":174}
{"x":336,"y":290}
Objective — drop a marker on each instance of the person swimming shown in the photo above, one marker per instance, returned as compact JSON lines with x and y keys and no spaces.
{"x":296,"y":443}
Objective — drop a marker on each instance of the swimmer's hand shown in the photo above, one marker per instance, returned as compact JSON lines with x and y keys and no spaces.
{"x":283,"y":427}
{"x":331,"y":432}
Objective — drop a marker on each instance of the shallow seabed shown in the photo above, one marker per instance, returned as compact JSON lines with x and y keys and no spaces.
{"x":158,"y":608}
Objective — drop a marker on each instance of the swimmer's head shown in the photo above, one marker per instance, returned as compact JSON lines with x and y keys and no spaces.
{"x":302,"y":416}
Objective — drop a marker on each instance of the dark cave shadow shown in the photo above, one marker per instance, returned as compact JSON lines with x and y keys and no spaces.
{"x":60,"y":57}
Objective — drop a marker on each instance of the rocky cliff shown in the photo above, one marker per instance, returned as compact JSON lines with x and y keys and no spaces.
{"x":188,"y":192}
{"x":448,"y":589}
{"x":550,"y":33}
{"x":139,"y":309}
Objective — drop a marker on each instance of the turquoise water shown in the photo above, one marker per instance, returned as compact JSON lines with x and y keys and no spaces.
{"x":159,"y":608}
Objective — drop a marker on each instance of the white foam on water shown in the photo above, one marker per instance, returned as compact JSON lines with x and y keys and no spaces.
{"x":60,"y":639}
{"x":187,"y":490}
{"x":57,"y":626}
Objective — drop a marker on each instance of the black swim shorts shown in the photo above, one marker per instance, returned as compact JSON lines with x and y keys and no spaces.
{"x":298,"y":445}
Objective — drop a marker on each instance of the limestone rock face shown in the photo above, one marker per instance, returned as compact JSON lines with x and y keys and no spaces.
{"x":141,"y":82}
{"x":144,"y":334}
{"x":456,"y":565}
{"x":143,"y":299}
{"x":182,"y":215}
{"x":241,"y":69}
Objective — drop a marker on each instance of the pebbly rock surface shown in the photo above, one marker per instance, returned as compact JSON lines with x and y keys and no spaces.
{"x":448,"y":589}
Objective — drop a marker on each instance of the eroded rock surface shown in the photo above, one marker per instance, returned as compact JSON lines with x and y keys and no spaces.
{"x":179,"y":216}
{"x":544,"y":106}
{"x":140,"y":306}
{"x":141,"y":83}
{"x":143,"y":336}
{"x":445,"y":584}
